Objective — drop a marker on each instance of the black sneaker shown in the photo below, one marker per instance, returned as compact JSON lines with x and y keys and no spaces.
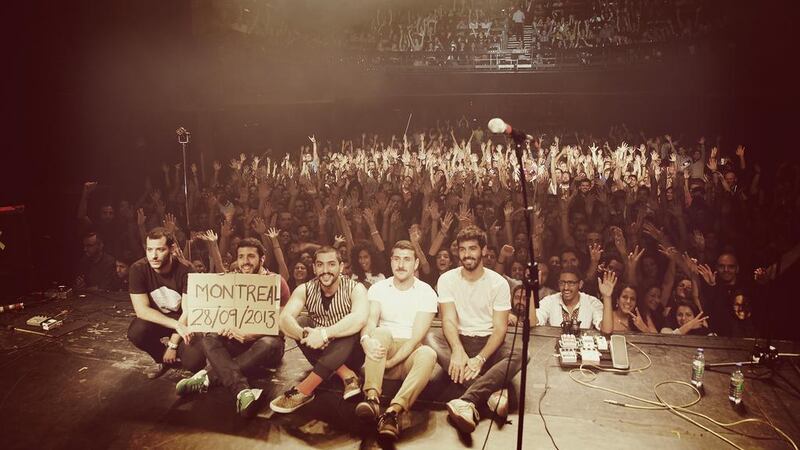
{"x":352,"y":387}
{"x":157,"y":371}
{"x":369,"y":409}
{"x":389,"y":425}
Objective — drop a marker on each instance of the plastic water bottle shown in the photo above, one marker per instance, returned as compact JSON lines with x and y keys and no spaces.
{"x":737,"y":385}
{"x":698,"y":368}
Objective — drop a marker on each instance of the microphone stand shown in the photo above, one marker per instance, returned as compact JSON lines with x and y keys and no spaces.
{"x":183,"y":139}
{"x":531,"y":283}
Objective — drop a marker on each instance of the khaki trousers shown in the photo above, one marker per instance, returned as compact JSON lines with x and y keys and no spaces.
{"x":415,"y":371}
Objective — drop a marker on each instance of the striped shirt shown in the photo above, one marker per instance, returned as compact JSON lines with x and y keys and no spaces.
{"x":327,"y":312}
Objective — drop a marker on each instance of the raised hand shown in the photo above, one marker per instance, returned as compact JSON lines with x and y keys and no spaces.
{"x":700,"y":320}
{"x":507,"y":252}
{"x":635,"y":255}
{"x":414,"y":233}
{"x":464,"y":213}
{"x":217,"y":166}
{"x":595,"y":252}
{"x":259,"y":226}
{"x":606,"y":284}
{"x":653,"y":232}
{"x":169,"y":222}
{"x":369,"y":216}
{"x":708,"y":275}
{"x":208,"y":235}
{"x":764,"y":274}
{"x":273,"y":233}
{"x":89,"y":186}
{"x":668,"y":251}
{"x":338,"y":240}
{"x":740,"y":151}
{"x":312,"y":139}
{"x":193,"y":167}
{"x":140,"y":217}
{"x":433,"y":210}
{"x":447,"y":221}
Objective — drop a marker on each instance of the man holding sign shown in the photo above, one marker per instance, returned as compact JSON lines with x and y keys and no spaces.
{"x":232,"y":353}
{"x":337,"y":311}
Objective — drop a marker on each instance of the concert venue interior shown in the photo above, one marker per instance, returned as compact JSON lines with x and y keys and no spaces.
{"x":437,"y":188}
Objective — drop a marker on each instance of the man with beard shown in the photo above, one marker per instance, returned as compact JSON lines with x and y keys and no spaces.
{"x":475,"y":304}
{"x":328,"y":336}
{"x":231,"y":354}
{"x":400,"y":314}
{"x":97,"y":269}
{"x":570,"y":303}
{"x":157,"y":286}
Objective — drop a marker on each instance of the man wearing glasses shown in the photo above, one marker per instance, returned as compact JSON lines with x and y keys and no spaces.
{"x":570,"y":304}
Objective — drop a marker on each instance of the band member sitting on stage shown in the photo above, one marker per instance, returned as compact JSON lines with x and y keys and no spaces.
{"x":158,"y":285}
{"x":401,"y":310}
{"x":231,"y":354}
{"x":337,"y":311}
{"x":475,"y":304}
{"x":570,"y":303}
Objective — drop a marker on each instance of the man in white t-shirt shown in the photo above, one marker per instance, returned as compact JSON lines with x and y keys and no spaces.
{"x":475,"y":303}
{"x":400,"y":314}
{"x":570,"y":304}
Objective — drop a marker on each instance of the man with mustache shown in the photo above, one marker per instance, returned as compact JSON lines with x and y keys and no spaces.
{"x":475,"y":303}
{"x":230,"y":353}
{"x":400,"y":314}
{"x":157,"y":286}
{"x":328,"y":336}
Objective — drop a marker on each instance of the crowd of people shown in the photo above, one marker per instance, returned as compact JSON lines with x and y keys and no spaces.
{"x":463,"y":31}
{"x":630,"y":233}
{"x":680,"y":222}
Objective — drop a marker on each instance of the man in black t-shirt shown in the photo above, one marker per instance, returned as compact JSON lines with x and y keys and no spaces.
{"x":157,"y":285}
{"x":97,"y":269}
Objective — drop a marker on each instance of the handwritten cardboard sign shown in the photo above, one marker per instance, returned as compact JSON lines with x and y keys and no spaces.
{"x":248,"y":302}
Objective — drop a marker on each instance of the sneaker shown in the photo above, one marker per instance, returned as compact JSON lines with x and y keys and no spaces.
{"x":290,"y":401}
{"x":352,"y":387}
{"x":196,"y":383}
{"x":158,"y":370}
{"x":498,"y":403}
{"x":389,"y":425}
{"x":463,"y":414}
{"x":247,"y":402}
{"x":369,"y":409}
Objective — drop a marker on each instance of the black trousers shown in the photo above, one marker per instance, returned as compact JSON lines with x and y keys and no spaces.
{"x":147,"y":336}
{"x":495,"y":373}
{"x":230,"y":361}
{"x":343,"y":350}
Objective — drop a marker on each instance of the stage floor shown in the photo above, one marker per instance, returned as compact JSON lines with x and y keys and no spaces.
{"x":85,"y":388}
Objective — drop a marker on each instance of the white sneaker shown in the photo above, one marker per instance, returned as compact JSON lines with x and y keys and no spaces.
{"x":498,"y":402}
{"x":463,"y":414}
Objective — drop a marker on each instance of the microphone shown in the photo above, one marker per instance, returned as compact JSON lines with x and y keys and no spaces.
{"x":497,"y":126}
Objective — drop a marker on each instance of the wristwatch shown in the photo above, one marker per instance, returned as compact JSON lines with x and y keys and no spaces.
{"x":172,"y":345}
